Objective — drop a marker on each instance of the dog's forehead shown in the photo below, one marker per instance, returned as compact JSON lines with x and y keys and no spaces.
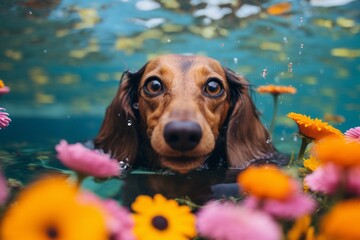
{"x":185,"y":63}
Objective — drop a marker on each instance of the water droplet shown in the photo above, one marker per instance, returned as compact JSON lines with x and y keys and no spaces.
{"x":300,"y":52}
{"x":30,"y":12}
{"x":235,"y":60}
{"x":169,"y":40}
{"x":222,"y":45}
{"x":282,"y":139}
{"x":119,"y":114}
{"x":269,"y":140}
{"x":301,"y":19}
{"x":45,"y":51}
{"x":285,"y":39}
{"x":129,"y":123}
{"x":290,"y":65}
{"x":301,"y":45}
{"x":295,"y":138}
{"x":264,"y":73}
{"x":68,"y":116}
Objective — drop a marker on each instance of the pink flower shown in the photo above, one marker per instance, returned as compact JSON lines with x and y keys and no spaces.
{"x":118,"y":219}
{"x":230,"y":222}
{"x":123,"y":223}
{"x":325,"y":179}
{"x":87,"y":161}
{"x":3,"y":189}
{"x":294,"y":207}
{"x":353,"y":134}
{"x":3,"y":89}
{"x":4,"y":119}
{"x":353,"y":180}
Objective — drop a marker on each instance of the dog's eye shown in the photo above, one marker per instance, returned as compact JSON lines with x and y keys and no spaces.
{"x":153,"y":86}
{"x":213,"y":88}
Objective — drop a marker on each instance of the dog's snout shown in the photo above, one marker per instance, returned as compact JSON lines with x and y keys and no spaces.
{"x":182,"y":135}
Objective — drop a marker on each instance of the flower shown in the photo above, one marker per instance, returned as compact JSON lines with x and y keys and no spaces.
{"x":272,"y":89}
{"x":123,"y":224}
{"x":158,"y":218}
{"x":311,"y":163}
{"x":294,"y":207}
{"x":338,"y":151}
{"x":353,"y":180}
{"x":325,"y":179}
{"x":4,"y":119}
{"x":314,"y":129}
{"x":353,"y":134}
{"x":86,"y":161}
{"x":3,"y":189}
{"x":279,"y":8}
{"x":229,"y":222}
{"x":342,"y":222}
{"x":3,"y":89}
{"x":118,"y":219}
{"x":48,"y":209}
{"x":266,"y":182}
{"x":302,"y":229}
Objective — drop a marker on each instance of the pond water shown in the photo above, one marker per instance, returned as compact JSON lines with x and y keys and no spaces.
{"x":63,"y":60}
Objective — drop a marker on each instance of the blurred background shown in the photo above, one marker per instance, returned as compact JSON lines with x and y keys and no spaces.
{"x":63,"y":59}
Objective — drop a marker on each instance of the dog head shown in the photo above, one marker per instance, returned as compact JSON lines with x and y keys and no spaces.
{"x":178,"y":110}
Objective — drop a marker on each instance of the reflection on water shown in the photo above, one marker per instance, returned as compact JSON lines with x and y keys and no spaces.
{"x":63,"y":59}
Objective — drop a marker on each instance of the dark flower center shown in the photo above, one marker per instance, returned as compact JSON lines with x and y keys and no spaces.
{"x":52,"y":232}
{"x":160,"y":223}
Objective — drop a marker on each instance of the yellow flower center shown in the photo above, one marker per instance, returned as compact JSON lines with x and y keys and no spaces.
{"x":2,"y":84}
{"x":52,"y":232}
{"x":160,"y":223}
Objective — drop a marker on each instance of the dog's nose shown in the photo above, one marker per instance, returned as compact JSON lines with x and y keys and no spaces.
{"x":182,"y":135}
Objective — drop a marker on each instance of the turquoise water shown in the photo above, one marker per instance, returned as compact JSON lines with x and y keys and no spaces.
{"x":63,"y":61}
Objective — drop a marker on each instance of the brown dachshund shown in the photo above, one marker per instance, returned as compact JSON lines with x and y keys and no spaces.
{"x":184,"y":112}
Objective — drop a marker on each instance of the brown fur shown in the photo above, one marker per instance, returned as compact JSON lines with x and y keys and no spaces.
{"x":230,"y":124}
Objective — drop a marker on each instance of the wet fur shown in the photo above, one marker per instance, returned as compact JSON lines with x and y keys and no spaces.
{"x":231,"y":127}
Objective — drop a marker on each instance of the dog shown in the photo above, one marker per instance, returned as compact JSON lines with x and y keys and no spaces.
{"x":183,"y":113}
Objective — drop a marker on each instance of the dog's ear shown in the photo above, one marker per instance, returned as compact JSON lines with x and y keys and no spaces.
{"x":246,"y":137}
{"x":118,"y":133}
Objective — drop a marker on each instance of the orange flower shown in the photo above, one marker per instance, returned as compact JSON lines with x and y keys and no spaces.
{"x":279,"y":8}
{"x":276,"y":89}
{"x":337,"y":151}
{"x":266,"y":182}
{"x":311,"y":163}
{"x":314,"y":129}
{"x":343,"y":221}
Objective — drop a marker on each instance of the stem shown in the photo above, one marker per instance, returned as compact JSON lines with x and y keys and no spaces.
{"x":304,"y":143}
{"x":275,"y":110}
{"x":80,"y":178}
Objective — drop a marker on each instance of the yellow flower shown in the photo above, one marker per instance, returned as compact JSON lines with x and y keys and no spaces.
{"x":311,"y":163}
{"x":338,"y":151}
{"x":314,"y":129}
{"x":272,"y":89}
{"x":342,"y":222}
{"x":49,"y":210}
{"x":266,"y":182}
{"x":302,"y":230}
{"x":161,"y":219}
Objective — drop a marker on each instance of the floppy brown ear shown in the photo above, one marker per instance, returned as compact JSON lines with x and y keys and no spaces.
{"x":246,"y":138}
{"x":118,"y":133}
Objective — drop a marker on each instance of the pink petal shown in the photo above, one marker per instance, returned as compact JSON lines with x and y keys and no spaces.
{"x":353,"y":134}
{"x":353,"y":180}
{"x":324,"y":179}
{"x":4,"y":192}
{"x":296,"y":206}
{"x":230,"y":222}
{"x":87,"y":161}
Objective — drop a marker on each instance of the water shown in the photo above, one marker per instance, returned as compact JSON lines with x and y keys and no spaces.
{"x":63,"y":61}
